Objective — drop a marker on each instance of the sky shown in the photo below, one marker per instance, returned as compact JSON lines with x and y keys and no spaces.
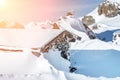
{"x":40,"y":10}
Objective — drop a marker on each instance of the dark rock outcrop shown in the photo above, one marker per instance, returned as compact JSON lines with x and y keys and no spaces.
{"x":61,"y":43}
{"x":88,"y":20}
{"x":72,"y":69}
{"x":89,"y":32}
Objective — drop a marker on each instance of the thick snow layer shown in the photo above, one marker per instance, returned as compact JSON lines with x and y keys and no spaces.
{"x":65,"y":24}
{"x":51,"y":66}
{"x":25,"y":66}
{"x":75,"y":23}
{"x":101,"y":19}
{"x":21,"y":63}
{"x":27,"y":37}
{"x":93,"y":45}
{"x":54,"y":57}
{"x":110,"y":21}
{"x":104,"y":27}
{"x":115,"y":1}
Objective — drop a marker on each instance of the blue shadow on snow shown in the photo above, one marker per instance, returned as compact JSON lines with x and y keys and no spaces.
{"x":96,"y":63}
{"x":106,"y":36}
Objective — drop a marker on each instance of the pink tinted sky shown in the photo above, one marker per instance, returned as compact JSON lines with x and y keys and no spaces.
{"x":40,"y":10}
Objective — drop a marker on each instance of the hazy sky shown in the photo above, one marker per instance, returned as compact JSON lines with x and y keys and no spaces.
{"x":40,"y":10}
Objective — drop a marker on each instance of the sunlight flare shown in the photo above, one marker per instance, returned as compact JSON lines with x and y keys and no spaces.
{"x":2,"y":3}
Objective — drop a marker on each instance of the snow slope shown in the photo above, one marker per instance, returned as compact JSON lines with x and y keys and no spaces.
{"x":44,"y":70}
{"x":94,"y":45}
{"x":28,"y":38}
{"x":57,"y":61}
{"x":51,"y":66}
{"x":72,"y":27}
{"x":115,"y":1}
{"x":21,"y":62}
{"x":101,"y":19}
{"x":25,"y":66}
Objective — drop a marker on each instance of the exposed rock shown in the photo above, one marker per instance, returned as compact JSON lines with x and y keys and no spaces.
{"x":69,"y":35}
{"x":61,"y":43}
{"x":90,"y":33}
{"x":119,"y":9}
{"x":108,"y":9}
{"x":37,"y":54}
{"x":3,"y":24}
{"x":69,"y":14}
{"x":73,"y":69}
{"x":100,"y":10}
{"x":88,"y":20}
{"x":72,"y":40}
{"x":65,"y":55}
{"x":95,"y":27}
{"x":55,"y":26}
{"x":78,"y":38}
{"x":36,"y":51}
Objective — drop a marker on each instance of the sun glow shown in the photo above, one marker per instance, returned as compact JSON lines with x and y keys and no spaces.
{"x":2,"y":3}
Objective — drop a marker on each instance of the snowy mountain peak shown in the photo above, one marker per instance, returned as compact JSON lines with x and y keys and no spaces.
{"x":75,"y":26}
{"x":109,"y":8}
{"x":11,"y":25}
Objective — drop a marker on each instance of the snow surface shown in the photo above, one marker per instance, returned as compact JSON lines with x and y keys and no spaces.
{"x":115,"y":1}
{"x":96,"y":63}
{"x":51,"y":66}
{"x":66,"y":24}
{"x":57,"y":61}
{"x":28,"y":38}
